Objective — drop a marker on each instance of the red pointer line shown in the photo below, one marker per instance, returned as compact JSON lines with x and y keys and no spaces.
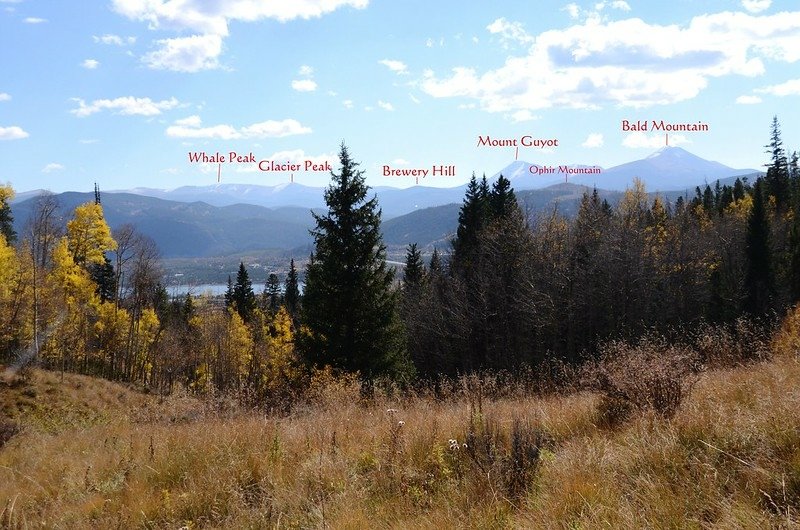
{"x":219,"y":170}
{"x":516,"y":155}
{"x":667,"y":138}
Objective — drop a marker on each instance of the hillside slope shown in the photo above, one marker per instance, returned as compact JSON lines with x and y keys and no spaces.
{"x":730,"y":458}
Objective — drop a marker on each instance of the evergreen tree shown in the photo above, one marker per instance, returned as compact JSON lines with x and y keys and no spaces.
{"x":759,"y":278}
{"x":472,"y":218}
{"x":6,"y":218}
{"x":103,"y":275}
{"x":435,"y":266}
{"x":502,"y":201}
{"x":229,"y":293}
{"x":777,"y":179}
{"x":291,"y":293}
{"x":350,"y":311}
{"x":272,"y":293}
{"x":244,"y":299}
{"x":738,"y":190}
{"x":708,"y":199}
{"x":414,"y":273}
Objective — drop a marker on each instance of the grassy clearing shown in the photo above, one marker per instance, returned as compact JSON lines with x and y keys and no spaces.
{"x":93,"y":454}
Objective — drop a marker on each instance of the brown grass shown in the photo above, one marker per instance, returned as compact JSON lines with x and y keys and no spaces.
{"x":93,"y":454}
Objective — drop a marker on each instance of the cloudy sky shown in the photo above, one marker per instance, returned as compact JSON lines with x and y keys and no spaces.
{"x":119,"y":92}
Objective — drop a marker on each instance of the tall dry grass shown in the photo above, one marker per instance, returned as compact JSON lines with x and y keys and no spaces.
{"x":727,"y":457}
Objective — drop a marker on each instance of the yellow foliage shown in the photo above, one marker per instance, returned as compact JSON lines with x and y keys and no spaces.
{"x":239,"y":344}
{"x":111,"y":328}
{"x":146,"y":334}
{"x":10,"y":290}
{"x":89,"y":234}
{"x":741,"y":208}
{"x":787,"y":340}
{"x":282,"y":366}
{"x":77,"y":286}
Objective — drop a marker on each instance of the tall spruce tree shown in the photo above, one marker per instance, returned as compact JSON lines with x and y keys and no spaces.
{"x":272,"y":293}
{"x":291,"y":292}
{"x":414,"y":272}
{"x":350,"y":310}
{"x":103,"y":275}
{"x":244,"y":299}
{"x":502,"y":201}
{"x":759,"y":277}
{"x":777,"y":179}
{"x":472,"y":218}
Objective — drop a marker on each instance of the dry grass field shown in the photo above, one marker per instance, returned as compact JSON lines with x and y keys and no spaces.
{"x":86,"y":453}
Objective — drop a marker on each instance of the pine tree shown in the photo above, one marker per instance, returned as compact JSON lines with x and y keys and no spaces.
{"x":350,"y":311}
{"x":414,"y":273}
{"x":229,"y":293}
{"x":502,"y":201}
{"x":759,"y":278}
{"x":244,"y":299}
{"x":472,"y":218}
{"x":291,"y":293}
{"x":103,"y":275}
{"x":738,"y":190}
{"x":435,"y":266}
{"x":6,"y":218}
{"x":272,"y":293}
{"x":777,"y":179}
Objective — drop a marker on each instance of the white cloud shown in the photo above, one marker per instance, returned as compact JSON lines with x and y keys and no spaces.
{"x":429,"y":43}
{"x":208,"y":22}
{"x":756,"y":6}
{"x":637,"y":140}
{"x":113,"y":39}
{"x":88,"y":141}
{"x":4,"y":96}
{"x":385,"y":105}
{"x":399,"y":67}
{"x":191,"y":127}
{"x":34,"y":20}
{"x":509,"y":32}
{"x":414,"y":99}
{"x":304,"y":85}
{"x":348,"y":103}
{"x":573,"y":10}
{"x":52,"y":166}
{"x":306,"y":70}
{"x":627,"y":63}
{"x":90,"y":64}
{"x":622,"y":5}
{"x":523,"y":116}
{"x":748,"y":100}
{"x":185,"y":54}
{"x":191,"y":121}
{"x":400,"y":162}
{"x":593,"y":140}
{"x":127,"y":106}
{"x":789,"y":88}
{"x":12,"y":133}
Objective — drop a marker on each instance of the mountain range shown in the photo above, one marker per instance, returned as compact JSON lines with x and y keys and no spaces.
{"x":226,"y":219}
{"x":668,"y":169}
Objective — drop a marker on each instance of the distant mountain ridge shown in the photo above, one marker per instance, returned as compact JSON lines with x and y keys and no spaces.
{"x":227,"y":219}
{"x":668,"y":169}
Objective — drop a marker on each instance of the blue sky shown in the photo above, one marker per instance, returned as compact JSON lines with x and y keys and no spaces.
{"x":120,"y":91}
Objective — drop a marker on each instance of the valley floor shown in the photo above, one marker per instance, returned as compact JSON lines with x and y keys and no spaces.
{"x":94,"y":454}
